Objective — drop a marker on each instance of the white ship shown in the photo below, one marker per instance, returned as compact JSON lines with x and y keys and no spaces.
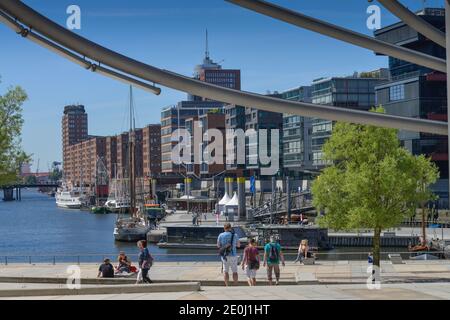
{"x":131,"y":229}
{"x":69,"y":199}
{"x":118,"y":205}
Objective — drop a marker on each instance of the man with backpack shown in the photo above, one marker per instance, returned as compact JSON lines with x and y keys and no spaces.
{"x":272,"y":257}
{"x":145,"y":262}
{"x":228,"y":242}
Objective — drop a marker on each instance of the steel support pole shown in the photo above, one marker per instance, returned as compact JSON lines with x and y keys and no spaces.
{"x":272,"y":200}
{"x":231,"y":187}
{"x":339,"y":33}
{"x":242,"y":199}
{"x":447,"y":28}
{"x":288,"y":198}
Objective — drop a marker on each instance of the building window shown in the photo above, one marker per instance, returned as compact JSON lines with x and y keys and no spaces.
{"x":397,"y":92}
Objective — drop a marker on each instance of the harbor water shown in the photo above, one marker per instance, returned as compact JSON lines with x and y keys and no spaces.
{"x":35,"y":230}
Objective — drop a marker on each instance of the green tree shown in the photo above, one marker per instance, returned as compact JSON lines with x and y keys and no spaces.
{"x":11,"y":154}
{"x":30,"y":180}
{"x":56,"y":173}
{"x":372,"y":182}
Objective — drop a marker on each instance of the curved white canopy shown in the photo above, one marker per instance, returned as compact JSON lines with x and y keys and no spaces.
{"x":234,"y":202}
{"x":226,"y":198}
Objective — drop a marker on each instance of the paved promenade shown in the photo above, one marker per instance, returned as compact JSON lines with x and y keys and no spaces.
{"x":325,"y":280}
{"x":209,"y":273}
{"x":422,"y":291}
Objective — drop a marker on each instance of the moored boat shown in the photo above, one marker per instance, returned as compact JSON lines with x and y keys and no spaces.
{"x":131,"y":229}
{"x":136,"y":226}
{"x":69,"y":199}
{"x":100,"y":210}
{"x":117,"y":205}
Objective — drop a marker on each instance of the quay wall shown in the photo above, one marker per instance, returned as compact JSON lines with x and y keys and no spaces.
{"x":367,"y":241}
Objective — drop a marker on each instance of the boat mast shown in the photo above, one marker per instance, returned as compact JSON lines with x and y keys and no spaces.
{"x":96,"y":183}
{"x":115,"y":181}
{"x":131,"y":157}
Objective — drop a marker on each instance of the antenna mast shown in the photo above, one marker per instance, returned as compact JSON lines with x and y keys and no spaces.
{"x":207,"y":46}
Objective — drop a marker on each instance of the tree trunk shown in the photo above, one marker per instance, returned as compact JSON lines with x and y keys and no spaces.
{"x":424,"y":222}
{"x":376,"y":247}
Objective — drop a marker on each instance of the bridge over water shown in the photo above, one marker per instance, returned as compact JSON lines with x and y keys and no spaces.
{"x":8,"y":190}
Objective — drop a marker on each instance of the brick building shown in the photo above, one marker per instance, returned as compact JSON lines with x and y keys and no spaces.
{"x":151,"y":150}
{"x":81,"y":164}
{"x":74,"y":126}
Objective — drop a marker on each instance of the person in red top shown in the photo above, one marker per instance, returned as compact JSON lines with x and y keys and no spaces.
{"x":251,"y":262}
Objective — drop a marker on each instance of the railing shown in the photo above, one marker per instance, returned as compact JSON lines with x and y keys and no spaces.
{"x":279,"y":205}
{"x":25,"y":185}
{"x":189,"y":258}
{"x":429,"y":224}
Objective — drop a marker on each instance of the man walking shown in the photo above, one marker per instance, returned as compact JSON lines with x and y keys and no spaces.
{"x":228,"y":242}
{"x":272,"y":257}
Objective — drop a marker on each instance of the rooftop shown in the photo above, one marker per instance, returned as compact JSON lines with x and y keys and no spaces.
{"x":74,"y":109}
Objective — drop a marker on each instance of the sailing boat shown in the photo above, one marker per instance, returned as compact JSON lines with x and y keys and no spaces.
{"x":136,"y":226}
{"x":117,"y":202}
{"x":101,"y":181}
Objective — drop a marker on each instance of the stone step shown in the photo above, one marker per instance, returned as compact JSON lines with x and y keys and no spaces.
{"x":104,"y":289}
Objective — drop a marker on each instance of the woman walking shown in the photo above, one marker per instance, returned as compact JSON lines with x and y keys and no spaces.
{"x":251,"y":262}
{"x":145,"y":262}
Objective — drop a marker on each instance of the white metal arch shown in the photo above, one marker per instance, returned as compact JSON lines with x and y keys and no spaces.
{"x":15,"y":10}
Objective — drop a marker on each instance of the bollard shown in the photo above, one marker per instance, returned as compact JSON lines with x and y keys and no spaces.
{"x":29,"y":259}
{"x":6,"y":260}
{"x":54,"y":260}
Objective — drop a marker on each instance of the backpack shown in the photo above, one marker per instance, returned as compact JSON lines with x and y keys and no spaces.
{"x":148,"y":259}
{"x":273,"y":254}
{"x":225,"y":250}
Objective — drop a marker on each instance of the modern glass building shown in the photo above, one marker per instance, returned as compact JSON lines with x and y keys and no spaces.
{"x":250,"y":121}
{"x":296,"y":136}
{"x":354,"y":92}
{"x":418,"y":92}
{"x":255,"y":121}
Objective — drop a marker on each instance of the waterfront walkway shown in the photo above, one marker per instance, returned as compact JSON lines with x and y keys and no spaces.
{"x":422,"y":291}
{"x":203,"y":281}
{"x":209,"y":273}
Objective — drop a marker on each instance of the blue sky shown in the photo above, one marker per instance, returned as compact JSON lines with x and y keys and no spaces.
{"x":170,"y":34}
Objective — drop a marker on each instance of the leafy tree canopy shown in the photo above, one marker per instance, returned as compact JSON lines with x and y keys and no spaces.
{"x":11,"y":154}
{"x":372,"y":182}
